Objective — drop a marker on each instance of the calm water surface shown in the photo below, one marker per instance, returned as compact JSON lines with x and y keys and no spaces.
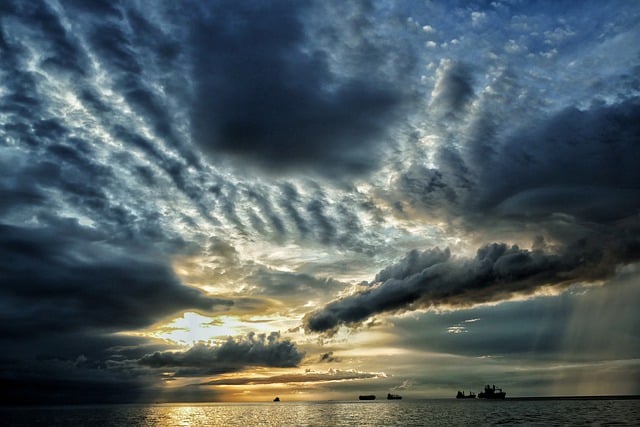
{"x":375,"y":413}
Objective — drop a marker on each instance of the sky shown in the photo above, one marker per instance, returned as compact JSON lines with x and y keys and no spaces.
{"x":236,"y":200}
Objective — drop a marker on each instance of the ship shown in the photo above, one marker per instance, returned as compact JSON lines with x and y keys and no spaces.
{"x":461,"y":395}
{"x":277,"y":399}
{"x":492,"y":393}
{"x":393,"y":396}
{"x":367,"y":397}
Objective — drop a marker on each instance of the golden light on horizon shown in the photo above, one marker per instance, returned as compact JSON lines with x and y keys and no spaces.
{"x":193,"y":327}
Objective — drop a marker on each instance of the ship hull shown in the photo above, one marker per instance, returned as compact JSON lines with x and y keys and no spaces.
{"x":494,"y":396}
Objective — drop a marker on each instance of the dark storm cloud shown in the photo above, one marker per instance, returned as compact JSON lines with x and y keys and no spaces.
{"x":232,"y":355}
{"x":65,"y":292}
{"x":69,"y":279}
{"x":578,"y":162}
{"x":434,"y":278}
{"x":267,"y":94}
{"x":73,"y":367}
{"x":63,"y":168}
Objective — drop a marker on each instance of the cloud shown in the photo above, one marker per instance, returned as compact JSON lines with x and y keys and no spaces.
{"x":67,"y":291}
{"x":577,"y":162}
{"x":567,"y":327}
{"x":434,"y":278}
{"x":232,"y":355}
{"x":117,"y":121}
{"x":406,"y":384}
{"x":329,"y":357}
{"x":68,"y":279}
{"x":63,"y":55}
{"x":453,"y":88}
{"x":265,"y":92}
{"x":73,"y":150}
{"x":298,"y":287}
{"x":308,"y":377}
{"x":573,"y":162}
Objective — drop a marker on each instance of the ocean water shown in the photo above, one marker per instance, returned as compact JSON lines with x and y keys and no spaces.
{"x":375,"y":413}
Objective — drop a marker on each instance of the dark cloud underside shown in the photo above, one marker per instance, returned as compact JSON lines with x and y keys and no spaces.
{"x":230,"y":356}
{"x":265,"y":93}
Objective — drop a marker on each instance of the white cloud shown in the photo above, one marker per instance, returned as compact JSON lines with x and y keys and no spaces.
{"x":478,"y":18}
{"x":428,"y":29}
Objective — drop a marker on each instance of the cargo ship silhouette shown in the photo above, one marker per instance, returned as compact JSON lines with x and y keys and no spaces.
{"x":461,"y":395}
{"x":492,"y":393}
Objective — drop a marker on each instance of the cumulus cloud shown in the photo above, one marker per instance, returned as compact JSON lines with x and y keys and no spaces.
{"x":434,"y":278}
{"x":234,"y":354}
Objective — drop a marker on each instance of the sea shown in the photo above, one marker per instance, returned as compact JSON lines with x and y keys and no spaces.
{"x":436,"y":412}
